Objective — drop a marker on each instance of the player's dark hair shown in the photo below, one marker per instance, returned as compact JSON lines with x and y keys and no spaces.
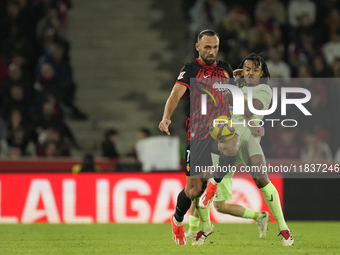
{"x":259,"y":62}
{"x":207,"y":32}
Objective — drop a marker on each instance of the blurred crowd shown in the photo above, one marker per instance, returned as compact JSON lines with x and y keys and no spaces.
{"x":300,"y":41}
{"x":37,"y":88}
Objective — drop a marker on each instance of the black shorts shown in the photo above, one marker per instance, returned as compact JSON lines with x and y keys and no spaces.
{"x":198,"y":155}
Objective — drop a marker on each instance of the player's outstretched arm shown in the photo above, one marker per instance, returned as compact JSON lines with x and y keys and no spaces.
{"x":170,"y":106}
{"x":258,"y":105}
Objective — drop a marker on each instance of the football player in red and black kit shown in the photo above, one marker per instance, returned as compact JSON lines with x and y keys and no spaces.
{"x":195,"y":77}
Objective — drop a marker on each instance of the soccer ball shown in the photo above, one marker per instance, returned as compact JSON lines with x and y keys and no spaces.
{"x":221,"y":129}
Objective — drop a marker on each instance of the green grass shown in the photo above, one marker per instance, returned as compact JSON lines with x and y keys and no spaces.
{"x":310,"y":238}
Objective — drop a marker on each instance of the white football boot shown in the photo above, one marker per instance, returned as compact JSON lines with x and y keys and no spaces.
{"x":201,"y":236}
{"x":262,"y":223}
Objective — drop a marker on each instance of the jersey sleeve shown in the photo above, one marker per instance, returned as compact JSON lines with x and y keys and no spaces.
{"x":263,"y":93}
{"x":184,"y":76}
{"x":230,"y":72}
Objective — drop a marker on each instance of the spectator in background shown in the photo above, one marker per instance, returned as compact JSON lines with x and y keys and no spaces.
{"x":320,"y":68}
{"x":255,"y":41}
{"x":51,"y":31}
{"x":19,"y":134}
{"x":88,"y":165}
{"x":239,"y":52}
{"x":297,"y":8}
{"x":16,"y":99}
{"x":204,"y":14}
{"x":186,"y":6}
{"x":56,"y":57}
{"x":19,"y":41}
{"x":19,"y":140}
{"x":234,"y":27}
{"x":18,"y":59}
{"x":309,"y":83}
{"x":14,"y":152}
{"x":305,"y":27}
{"x":15,"y":120}
{"x":306,"y":48}
{"x":53,"y":135}
{"x":41,"y":8}
{"x":46,"y":82}
{"x":274,"y":40}
{"x":313,"y":149}
{"x":16,"y":44}
{"x":334,"y":86}
{"x":333,"y":21}
{"x":318,"y":106}
{"x":285,"y":147}
{"x":50,"y":118}
{"x":63,"y":75}
{"x":8,"y":23}
{"x":51,"y":150}
{"x":141,"y":134}
{"x":331,"y":49}
{"x":51,"y":21}
{"x":109,"y":144}
{"x":15,"y":76}
{"x":276,"y":66}
{"x":274,"y":9}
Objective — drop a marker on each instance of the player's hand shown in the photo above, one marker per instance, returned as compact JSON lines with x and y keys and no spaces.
{"x":258,"y":131}
{"x":238,"y":73}
{"x":164,"y":126}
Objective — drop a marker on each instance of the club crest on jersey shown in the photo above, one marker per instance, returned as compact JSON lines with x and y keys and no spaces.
{"x":180,"y":76}
{"x":226,"y":74}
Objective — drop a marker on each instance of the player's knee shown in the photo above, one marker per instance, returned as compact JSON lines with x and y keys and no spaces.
{"x":192,"y":192}
{"x":218,"y":206}
{"x":257,"y":160}
{"x":261,"y":182}
{"x":228,"y":148}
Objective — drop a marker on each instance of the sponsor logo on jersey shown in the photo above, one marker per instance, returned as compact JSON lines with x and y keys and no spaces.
{"x":217,"y":86}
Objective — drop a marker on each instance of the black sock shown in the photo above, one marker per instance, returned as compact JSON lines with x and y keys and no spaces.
{"x":183,"y":205}
{"x":225,"y":162}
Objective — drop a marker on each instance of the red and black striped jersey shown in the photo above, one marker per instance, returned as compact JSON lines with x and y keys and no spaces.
{"x":199,"y":79}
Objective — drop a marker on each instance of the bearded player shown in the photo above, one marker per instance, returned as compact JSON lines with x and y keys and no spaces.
{"x":204,"y":71}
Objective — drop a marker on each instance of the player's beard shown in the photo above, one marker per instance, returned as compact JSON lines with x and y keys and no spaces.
{"x":209,"y":61}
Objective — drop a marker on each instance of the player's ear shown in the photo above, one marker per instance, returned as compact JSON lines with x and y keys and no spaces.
{"x":197,"y":46}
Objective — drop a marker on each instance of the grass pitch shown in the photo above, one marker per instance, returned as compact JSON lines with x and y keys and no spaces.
{"x":310,"y":238}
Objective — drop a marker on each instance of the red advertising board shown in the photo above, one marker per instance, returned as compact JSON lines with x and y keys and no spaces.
{"x":104,"y":198}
